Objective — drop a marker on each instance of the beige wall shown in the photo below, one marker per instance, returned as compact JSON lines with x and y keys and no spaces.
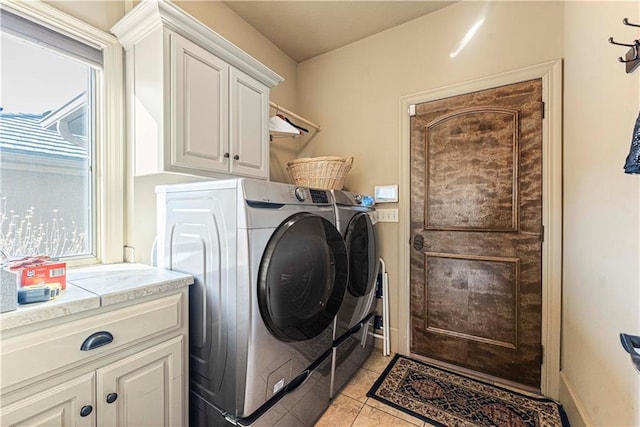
{"x":601,"y":285}
{"x":355,"y":91}
{"x":100,"y":14}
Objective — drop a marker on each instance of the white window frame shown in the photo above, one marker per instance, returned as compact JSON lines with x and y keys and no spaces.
{"x":108,"y":160}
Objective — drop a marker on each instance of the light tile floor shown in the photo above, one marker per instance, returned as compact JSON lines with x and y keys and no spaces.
{"x":352,"y":407}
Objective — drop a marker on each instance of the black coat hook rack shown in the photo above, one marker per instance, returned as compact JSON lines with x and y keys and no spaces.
{"x":631,"y":59}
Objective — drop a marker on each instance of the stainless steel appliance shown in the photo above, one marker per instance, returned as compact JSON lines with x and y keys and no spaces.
{"x":353,"y":334}
{"x":270,"y":274}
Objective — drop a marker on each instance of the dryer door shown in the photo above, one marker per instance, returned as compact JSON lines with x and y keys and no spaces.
{"x":363,"y":255}
{"x":302,"y":278}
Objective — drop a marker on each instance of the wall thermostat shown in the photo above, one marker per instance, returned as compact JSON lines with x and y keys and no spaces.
{"x":386,"y":193}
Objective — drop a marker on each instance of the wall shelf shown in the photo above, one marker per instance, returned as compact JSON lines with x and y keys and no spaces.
{"x":304,"y":137}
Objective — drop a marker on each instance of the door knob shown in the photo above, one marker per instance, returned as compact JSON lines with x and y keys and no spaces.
{"x":418,"y":242}
{"x":236,"y":157}
{"x":226,"y":155}
{"x":86,"y":410}
{"x":111,"y":397}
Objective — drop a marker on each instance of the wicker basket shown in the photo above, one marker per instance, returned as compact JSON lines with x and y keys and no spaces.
{"x":320,"y":172}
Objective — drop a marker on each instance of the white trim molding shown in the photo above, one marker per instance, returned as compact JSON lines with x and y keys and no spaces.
{"x":571,"y":403}
{"x":109,"y":158}
{"x":551,"y":75}
{"x":151,"y":14}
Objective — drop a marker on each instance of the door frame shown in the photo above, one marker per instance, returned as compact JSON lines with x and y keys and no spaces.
{"x":551,"y":75}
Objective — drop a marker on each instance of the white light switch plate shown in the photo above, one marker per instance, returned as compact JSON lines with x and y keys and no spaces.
{"x":385,"y":193}
{"x":387,"y":215}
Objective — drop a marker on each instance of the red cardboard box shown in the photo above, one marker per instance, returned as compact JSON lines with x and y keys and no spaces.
{"x":44,"y":274}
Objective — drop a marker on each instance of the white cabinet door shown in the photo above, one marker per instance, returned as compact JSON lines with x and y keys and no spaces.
{"x":200,"y":113}
{"x":144,"y":389}
{"x":71,"y":403}
{"x":192,"y":107}
{"x":249,"y":132}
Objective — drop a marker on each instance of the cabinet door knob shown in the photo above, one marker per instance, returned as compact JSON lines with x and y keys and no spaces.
{"x":111,"y":397}
{"x":86,"y":410}
{"x":236,"y":157}
{"x":226,"y":155}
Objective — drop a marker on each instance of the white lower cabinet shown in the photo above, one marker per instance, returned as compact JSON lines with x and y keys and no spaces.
{"x":122,"y":382}
{"x":58,"y":406}
{"x":144,"y":389}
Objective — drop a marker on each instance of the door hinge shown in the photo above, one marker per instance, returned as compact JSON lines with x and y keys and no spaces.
{"x":541,"y":354}
{"x":412,"y":110}
{"x":542,"y":233}
{"x":542,"y":105}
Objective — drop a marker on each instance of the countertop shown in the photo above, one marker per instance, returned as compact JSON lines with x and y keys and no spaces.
{"x":97,"y":286}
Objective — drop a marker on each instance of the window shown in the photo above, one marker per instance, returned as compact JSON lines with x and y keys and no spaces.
{"x":61,"y":172}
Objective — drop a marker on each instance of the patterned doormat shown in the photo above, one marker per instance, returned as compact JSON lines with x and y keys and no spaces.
{"x":443,"y":398}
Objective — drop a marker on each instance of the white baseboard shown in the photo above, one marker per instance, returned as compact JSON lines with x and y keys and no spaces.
{"x":572,"y":404}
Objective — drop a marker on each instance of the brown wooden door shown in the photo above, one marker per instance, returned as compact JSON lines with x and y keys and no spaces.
{"x":476,"y":223}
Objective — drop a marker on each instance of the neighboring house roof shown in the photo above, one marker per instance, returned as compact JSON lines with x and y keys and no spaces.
{"x":22,"y":134}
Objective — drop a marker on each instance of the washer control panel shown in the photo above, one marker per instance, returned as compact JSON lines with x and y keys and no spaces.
{"x":319,"y":196}
{"x":311,"y":195}
{"x":276,"y":193}
{"x":299,"y":193}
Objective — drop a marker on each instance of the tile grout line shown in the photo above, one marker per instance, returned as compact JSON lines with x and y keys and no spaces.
{"x":357,"y":415}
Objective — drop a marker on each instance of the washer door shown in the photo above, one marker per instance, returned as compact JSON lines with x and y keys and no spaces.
{"x":302,"y":278}
{"x":363,"y":255}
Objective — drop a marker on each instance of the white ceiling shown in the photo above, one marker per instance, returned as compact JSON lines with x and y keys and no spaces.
{"x":304,"y":29}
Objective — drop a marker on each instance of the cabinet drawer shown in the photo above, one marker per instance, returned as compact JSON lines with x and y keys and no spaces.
{"x":25,"y":356}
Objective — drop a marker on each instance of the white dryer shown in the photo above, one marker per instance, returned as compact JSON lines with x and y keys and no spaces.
{"x":270,"y":274}
{"x":353,"y":333}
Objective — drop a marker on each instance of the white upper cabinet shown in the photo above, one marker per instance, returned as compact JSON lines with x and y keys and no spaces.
{"x":249,"y":143}
{"x":197,"y":104}
{"x":200,"y":113}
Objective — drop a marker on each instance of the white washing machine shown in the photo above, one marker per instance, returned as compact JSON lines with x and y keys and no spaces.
{"x":353,"y":333}
{"x":270,"y":274}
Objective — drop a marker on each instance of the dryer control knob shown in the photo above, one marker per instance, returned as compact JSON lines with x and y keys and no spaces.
{"x":299,"y":192}
{"x":358,"y":198}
